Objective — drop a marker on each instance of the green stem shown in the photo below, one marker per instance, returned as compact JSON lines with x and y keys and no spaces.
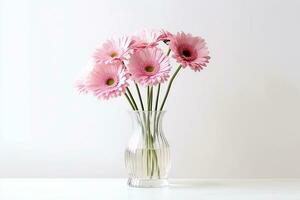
{"x":140,"y":97}
{"x":127,"y":97}
{"x":142,"y":105}
{"x":148,"y":136}
{"x":151,"y":97}
{"x":152,"y":159}
{"x":155,"y":129}
{"x":157,"y":97}
{"x":169,"y":87}
{"x":132,"y":99}
{"x":148,"y":97}
{"x":169,"y":51}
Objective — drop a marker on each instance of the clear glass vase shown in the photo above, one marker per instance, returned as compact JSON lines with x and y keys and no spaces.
{"x":147,"y":157}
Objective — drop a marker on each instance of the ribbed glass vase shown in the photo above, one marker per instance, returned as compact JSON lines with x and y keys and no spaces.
{"x":147,"y":157}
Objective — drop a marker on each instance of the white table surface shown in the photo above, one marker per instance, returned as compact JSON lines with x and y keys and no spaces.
{"x":116,"y":189}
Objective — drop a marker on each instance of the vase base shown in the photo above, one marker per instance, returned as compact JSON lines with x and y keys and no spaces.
{"x":147,"y":183}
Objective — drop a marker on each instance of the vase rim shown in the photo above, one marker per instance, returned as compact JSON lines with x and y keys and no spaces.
{"x":146,"y":111}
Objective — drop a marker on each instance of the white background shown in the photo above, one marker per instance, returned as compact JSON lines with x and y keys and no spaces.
{"x":239,"y":118}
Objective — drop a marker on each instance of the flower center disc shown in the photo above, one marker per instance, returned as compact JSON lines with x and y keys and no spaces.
{"x":110,"y":81}
{"x":113,"y":54}
{"x":186,"y":53}
{"x":149,"y":68}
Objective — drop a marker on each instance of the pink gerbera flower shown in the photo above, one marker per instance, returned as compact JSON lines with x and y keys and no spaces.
{"x":149,"y":38}
{"x":149,"y":66}
{"x":164,"y":35}
{"x":80,"y":84}
{"x":113,"y":50}
{"x":107,"y":80}
{"x":190,"y":51}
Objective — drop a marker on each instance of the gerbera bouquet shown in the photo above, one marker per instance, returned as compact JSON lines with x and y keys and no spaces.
{"x":139,"y":59}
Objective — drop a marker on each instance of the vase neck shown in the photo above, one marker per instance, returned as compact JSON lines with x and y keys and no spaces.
{"x":148,"y":122}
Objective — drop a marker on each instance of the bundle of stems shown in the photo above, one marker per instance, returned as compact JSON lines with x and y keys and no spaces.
{"x":145,"y":113}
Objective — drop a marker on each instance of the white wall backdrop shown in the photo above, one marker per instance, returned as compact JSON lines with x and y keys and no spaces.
{"x":239,"y":118}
